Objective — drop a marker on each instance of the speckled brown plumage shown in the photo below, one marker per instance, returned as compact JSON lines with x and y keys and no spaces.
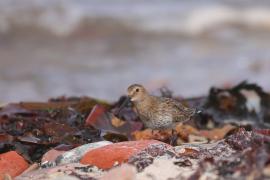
{"x":157,"y":112}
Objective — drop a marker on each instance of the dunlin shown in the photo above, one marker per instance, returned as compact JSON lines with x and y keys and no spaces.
{"x":158,"y":112}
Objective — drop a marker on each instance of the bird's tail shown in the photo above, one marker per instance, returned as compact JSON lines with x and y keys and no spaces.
{"x":192,"y":114}
{"x":197,"y":111}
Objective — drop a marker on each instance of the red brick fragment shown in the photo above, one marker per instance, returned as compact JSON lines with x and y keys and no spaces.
{"x":106,"y":156}
{"x":12,"y":163}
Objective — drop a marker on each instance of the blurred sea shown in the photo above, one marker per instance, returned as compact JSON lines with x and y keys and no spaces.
{"x":97,"y":48}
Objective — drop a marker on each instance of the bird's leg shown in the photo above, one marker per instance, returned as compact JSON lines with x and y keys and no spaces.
{"x":173,"y":138}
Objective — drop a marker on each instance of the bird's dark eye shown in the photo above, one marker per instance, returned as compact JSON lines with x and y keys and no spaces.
{"x":137,"y":90}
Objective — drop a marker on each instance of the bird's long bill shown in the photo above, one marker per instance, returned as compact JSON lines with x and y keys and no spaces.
{"x":123,"y":104}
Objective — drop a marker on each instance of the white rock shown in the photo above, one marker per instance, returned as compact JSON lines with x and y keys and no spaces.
{"x":76,"y":154}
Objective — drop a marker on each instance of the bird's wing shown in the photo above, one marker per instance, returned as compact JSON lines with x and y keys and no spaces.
{"x":179,"y":111}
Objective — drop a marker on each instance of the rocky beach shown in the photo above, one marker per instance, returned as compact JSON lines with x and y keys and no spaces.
{"x":65,"y":67}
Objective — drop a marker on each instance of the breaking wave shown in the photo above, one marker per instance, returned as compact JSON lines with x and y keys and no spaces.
{"x":63,"y":18}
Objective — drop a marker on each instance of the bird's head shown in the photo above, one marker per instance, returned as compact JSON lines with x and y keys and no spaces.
{"x":136,"y":93}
